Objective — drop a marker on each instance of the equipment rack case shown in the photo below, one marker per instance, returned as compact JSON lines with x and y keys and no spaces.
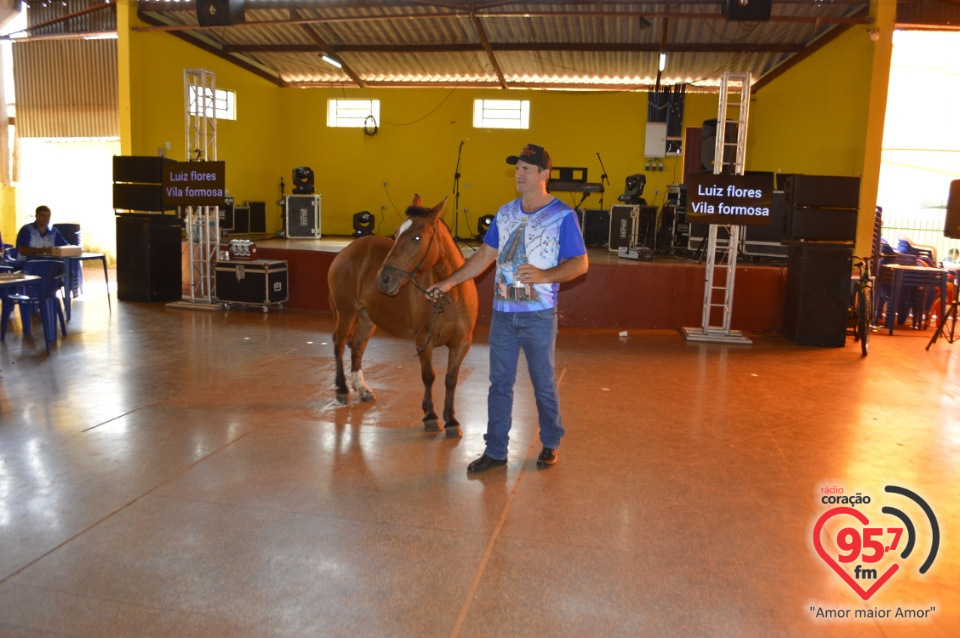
{"x":252,"y":282}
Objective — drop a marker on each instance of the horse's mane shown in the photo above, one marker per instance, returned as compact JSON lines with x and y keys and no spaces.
{"x":417,"y":211}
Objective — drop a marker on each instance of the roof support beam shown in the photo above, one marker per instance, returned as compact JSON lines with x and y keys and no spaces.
{"x":486,"y":47}
{"x":327,"y":49}
{"x":610,"y":47}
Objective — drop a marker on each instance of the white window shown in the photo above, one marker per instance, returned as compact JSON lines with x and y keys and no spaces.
{"x":352,"y":113}
{"x":223,"y":105}
{"x":501,"y":114}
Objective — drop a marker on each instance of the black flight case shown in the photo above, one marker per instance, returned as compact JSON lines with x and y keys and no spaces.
{"x":252,"y":282}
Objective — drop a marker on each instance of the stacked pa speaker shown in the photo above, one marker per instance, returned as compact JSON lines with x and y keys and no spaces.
{"x":137,"y":182}
{"x":820,"y":227}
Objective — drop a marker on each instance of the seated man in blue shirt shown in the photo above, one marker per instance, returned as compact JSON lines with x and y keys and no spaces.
{"x":39,"y":237}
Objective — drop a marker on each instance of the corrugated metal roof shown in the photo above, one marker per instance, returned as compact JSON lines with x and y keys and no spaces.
{"x":450,"y":43}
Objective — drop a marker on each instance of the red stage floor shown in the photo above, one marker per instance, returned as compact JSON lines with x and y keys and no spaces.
{"x":665,"y":293}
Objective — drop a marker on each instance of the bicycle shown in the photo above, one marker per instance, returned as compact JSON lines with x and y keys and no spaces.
{"x":862,"y":309}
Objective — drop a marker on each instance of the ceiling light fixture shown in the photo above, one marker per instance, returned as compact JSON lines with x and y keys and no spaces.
{"x":663,"y":62}
{"x":331,"y":61}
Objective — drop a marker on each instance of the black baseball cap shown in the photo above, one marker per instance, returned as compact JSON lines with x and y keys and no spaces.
{"x":532,"y":154}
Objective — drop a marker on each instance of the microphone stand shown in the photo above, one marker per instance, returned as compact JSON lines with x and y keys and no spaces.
{"x":603,"y":178}
{"x":456,"y":196}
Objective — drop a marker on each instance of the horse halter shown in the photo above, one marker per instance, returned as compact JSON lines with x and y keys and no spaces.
{"x":410,"y":273}
{"x":438,"y":303}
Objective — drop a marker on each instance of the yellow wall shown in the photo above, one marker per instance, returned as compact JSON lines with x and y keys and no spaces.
{"x":812,"y":118}
{"x":416,"y":148}
{"x":825,"y":115}
{"x":8,"y":214}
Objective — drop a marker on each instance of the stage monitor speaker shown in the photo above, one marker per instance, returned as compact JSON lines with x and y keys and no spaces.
{"x":747,"y":10}
{"x":595,"y":225}
{"x":951,"y":227}
{"x":139,"y":169}
{"x":258,"y":217}
{"x":817,"y":295}
{"x":708,"y":146}
{"x":241,"y":220}
{"x":219,"y":13}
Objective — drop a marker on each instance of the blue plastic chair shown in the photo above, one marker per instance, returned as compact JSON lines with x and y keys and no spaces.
{"x":40,"y":295}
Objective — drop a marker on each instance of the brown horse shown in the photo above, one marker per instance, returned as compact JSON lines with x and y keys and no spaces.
{"x":367,"y":289}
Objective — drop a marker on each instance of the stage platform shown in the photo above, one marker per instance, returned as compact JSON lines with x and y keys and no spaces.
{"x":666,"y":293}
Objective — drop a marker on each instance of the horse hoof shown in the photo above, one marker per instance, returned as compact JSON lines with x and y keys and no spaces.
{"x":453,"y":432}
{"x":367,"y":397}
{"x":431,"y":425}
{"x":342,"y":398}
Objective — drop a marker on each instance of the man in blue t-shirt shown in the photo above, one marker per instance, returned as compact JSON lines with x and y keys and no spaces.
{"x":38,"y":237}
{"x":537,"y":244}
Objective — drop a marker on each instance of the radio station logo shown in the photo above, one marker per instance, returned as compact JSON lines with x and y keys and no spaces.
{"x":867,"y":541}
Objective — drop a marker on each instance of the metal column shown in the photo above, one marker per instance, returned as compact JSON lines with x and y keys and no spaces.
{"x":203,"y":222}
{"x":718,"y":287}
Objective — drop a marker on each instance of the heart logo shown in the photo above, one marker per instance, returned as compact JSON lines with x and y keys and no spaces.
{"x":854,"y":585}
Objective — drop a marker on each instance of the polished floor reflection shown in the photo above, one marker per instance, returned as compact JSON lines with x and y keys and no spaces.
{"x":188,"y":473}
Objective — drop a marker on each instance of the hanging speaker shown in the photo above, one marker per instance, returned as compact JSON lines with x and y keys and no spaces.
{"x":747,"y":10}
{"x":219,"y":13}
{"x":951,"y":228}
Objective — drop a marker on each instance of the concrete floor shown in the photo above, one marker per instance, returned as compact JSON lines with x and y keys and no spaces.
{"x":188,"y":473}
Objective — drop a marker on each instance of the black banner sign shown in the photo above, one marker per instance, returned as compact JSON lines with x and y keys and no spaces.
{"x":739,"y":200}
{"x":193,"y":184}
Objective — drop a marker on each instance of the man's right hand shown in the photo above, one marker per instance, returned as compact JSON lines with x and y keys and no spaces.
{"x":436,"y":291}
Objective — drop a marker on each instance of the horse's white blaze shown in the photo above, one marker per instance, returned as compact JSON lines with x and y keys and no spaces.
{"x":404,"y":226}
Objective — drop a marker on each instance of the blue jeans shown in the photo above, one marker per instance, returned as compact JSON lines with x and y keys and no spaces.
{"x":536,"y":334}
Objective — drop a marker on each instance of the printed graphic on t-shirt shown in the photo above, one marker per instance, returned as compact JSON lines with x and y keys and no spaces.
{"x":513,"y":256}
{"x":532,"y":238}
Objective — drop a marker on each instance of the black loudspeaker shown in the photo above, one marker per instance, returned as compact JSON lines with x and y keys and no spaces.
{"x":708,"y":146}
{"x":822,"y":191}
{"x":139,"y":169}
{"x":817,"y":294}
{"x":595,"y":225}
{"x":258,"y":217}
{"x":951,"y":227}
{"x":148,"y":257}
{"x":147,"y":197}
{"x":241,"y":220}
{"x":747,"y":10}
{"x":219,"y":13}
{"x":821,"y":208}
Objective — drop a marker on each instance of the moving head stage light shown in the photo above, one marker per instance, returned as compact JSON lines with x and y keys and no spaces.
{"x":483,"y":225}
{"x":363,"y":223}
{"x":303,"y":181}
